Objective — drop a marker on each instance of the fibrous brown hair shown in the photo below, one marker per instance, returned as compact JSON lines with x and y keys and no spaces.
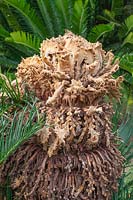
{"x":75,"y":156}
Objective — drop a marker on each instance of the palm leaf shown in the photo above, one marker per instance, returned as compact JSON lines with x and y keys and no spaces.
{"x":7,"y":62}
{"x":46,"y":14}
{"x":126,"y":27}
{"x":117,"y":7}
{"x":13,"y":133}
{"x":99,"y":30}
{"x":30,"y":42}
{"x":9,"y":57}
{"x":109,"y":15}
{"x":10,"y":18}
{"x":125,"y":131}
{"x":93,"y":6}
{"x":10,"y":93}
{"x":8,"y":191}
{"x":126,"y":62}
{"x":124,"y":192}
{"x":80,"y":17}
{"x":7,"y":89}
{"x":64,"y":8}
{"x":56,"y":17}
{"x":28,"y":15}
{"x":3,"y":20}
{"x":129,"y":23}
{"x":3,"y":33}
{"x":128,"y":39}
{"x":5,"y":190}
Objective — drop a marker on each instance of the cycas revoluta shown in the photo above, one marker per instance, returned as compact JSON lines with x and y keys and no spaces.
{"x":75,"y":156}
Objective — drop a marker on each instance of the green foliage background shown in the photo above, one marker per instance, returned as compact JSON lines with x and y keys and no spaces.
{"x":24,"y":24}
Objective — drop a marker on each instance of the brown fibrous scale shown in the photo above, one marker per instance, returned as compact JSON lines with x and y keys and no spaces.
{"x":74,"y":157}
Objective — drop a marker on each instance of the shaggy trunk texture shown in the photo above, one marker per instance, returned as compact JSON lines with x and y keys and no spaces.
{"x":75,"y":156}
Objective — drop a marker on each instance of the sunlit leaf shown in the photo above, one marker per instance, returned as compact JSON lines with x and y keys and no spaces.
{"x":99,"y":30}
{"x":128,"y":39}
{"x":129,"y":22}
{"x":126,"y":63}
{"x":24,"y":39}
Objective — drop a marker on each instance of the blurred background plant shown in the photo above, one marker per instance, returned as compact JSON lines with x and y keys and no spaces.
{"x":23,"y":26}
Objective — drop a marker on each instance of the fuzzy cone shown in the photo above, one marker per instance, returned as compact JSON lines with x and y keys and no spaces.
{"x":75,"y":156}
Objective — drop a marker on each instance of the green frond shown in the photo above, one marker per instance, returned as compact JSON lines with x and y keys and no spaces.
{"x":129,"y":23}
{"x":126,"y":150}
{"x":125,"y":132}
{"x":9,"y":57}
{"x":46,"y":15}
{"x":117,"y":7}
{"x":63,"y":7}
{"x":126,"y":62}
{"x":124,"y":191}
{"x":80,"y":17}
{"x":8,"y":90}
{"x":128,"y":39}
{"x":126,"y":28}
{"x":99,"y":30}
{"x":26,"y":40}
{"x":28,"y":15}
{"x":5,"y":190}
{"x":109,"y":15}
{"x":3,"y":32}
{"x":7,"y":62}
{"x":10,"y":18}
{"x":3,"y":20}
{"x":56,"y":17}
{"x":14,"y":131}
{"x":93,"y":5}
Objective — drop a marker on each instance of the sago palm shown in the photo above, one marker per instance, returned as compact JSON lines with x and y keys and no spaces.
{"x":75,"y":156}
